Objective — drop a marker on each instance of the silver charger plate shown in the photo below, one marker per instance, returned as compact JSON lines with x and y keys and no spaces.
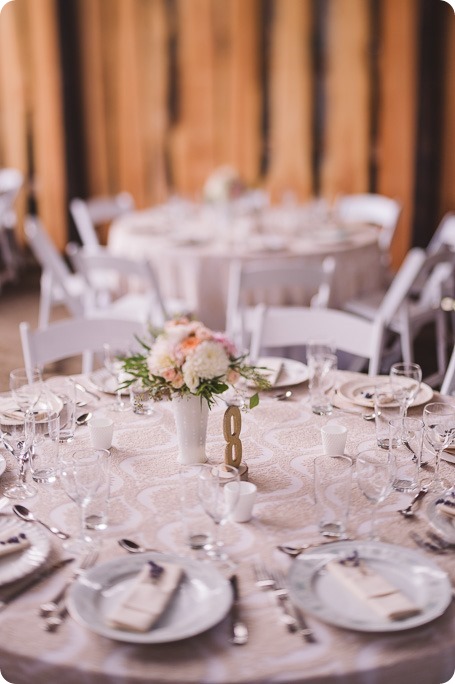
{"x":355,"y":391}
{"x":14,"y":566}
{"x":440,"y":521}
{"x":320,"y":594}
{"x":202,"y":599}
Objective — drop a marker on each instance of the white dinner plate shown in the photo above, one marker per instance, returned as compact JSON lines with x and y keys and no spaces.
{"x":292,"y":372}
{"x":203,"y":598}
{"x":360,"y":391}
{"x":440,"y":521}
{"x":2,"y":463}
{"x":319,"y":593}
{"x":11,"y":414}
{"x":18,"y":565}
{"x":105,"y":382}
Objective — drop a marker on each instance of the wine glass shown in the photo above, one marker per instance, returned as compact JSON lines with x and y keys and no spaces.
{"x":439,"y":431}
{"x":20,"y":436}
{"x":114,"y":365}
{"x":81,"y":477}
{"x":26,"y":387}
{"x":375,"y":470}
{"x":212,"y":481}
{"x":405,"y":379}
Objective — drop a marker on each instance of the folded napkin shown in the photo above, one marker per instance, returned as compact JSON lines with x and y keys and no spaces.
{"x":13,"y":544}
{"x":146,"y":598}
{"x":272,"y":369}
{"x":385,"y":599}
{"x":11,"y":414}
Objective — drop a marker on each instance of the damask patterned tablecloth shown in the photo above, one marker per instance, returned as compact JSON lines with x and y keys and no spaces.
{"x":280,"y":440}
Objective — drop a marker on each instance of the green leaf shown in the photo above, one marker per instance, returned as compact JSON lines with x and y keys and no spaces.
{"x":254,"y":400}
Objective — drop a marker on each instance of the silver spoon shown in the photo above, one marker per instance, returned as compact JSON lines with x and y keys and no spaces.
{"x":24,"y":513}
{"x":294,"y":551}
{"x":283,"y":396}
{"x":83,"y":418}
{"x":132,"y":547}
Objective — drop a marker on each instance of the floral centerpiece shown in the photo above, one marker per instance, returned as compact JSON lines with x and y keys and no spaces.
{"x":190,"y":364}
{"x":223,"y":184}
{"x":187,"y":358}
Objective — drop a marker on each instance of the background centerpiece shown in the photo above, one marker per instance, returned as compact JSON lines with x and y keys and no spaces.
{"x":190,"y":364}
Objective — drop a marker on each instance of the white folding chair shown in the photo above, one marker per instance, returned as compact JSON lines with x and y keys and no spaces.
{"x":378,"y":210}
{"x":140,"y":297}
{"x":412,"y":301}
{"x":290,"y":326}
{"x":58,"y":284}
{"x":444,"y":234}
{"x":73,"y":337}
{"x":261,"y":281}
{"x":11,"y":181}
{"x":87,"y":214}
{"x":448,"y":383}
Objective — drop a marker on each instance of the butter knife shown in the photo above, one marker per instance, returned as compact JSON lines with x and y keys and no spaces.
{"x":239,"y":631}
{"x":33,"y":580}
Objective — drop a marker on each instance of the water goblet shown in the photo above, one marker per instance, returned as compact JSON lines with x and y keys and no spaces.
{"x":113,"y":362}
{"x":20,"y":436}
{"x":26,"y":387}
{"x":439,"y":431}
{"x":405,"y":379}
{"x":375,"y":470}
{"x":212,"y":480}
{"x":80,"y":476}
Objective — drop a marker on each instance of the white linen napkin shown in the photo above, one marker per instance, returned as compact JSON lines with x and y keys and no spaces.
{"x":272,"y":369}
{"x":385,"y":599}
{"x":13,"y":544}
{"x":146,"y":599}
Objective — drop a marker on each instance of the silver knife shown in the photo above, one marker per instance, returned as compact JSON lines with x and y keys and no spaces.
{"x":239,"y":631}
{"x":33,"y":580}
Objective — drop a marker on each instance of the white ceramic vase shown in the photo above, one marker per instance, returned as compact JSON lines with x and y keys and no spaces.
{"x":191,"y":414}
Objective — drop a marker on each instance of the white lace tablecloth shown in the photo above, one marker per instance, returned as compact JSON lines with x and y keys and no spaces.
{"x":280,"y":440}
{"x":192,"y":260}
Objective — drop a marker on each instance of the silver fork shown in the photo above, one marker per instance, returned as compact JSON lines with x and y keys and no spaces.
{"x":282,"y":591}
{"x":55,"y":610}
{"x":266,"y":581}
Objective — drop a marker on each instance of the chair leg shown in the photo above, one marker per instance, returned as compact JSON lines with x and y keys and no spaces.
{"x":406,"y":342}
{"x":45,"y":302}
{"x":441,"y":342}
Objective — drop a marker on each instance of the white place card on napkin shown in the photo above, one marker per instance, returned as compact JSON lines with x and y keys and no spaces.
{"x":146,"y":599}
{"x":272,"y":369}
{"x":13,"y":544}
{"x":385,"y":599}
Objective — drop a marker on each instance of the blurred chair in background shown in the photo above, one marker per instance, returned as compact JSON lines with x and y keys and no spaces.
{"x":90,"y":213}
{"x":378,"y":210}
{"x":11,"y":181}
{"x":444,"y":235}
{"x":73,"y":337}
{"x":261,"y":281}
{"x":290,"y":326}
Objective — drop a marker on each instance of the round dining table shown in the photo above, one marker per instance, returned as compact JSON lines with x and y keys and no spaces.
{"x":192,"y":253}
{"x":280,"y":440}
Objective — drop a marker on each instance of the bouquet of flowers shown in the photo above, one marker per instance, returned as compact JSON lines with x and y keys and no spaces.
{"x":222,"y":185}
{"x":187,"y":358}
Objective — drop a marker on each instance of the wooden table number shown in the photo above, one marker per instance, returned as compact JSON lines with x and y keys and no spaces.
{"x":232,"y":425}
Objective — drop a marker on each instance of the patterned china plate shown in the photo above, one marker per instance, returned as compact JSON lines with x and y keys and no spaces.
{"x":18,"y":565}
{"x":361,"y":392}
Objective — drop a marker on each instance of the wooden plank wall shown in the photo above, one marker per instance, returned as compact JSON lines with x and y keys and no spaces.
{"x":173,"y":88}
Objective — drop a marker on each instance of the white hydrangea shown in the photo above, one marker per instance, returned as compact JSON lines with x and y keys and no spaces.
{"x":209,"y":360}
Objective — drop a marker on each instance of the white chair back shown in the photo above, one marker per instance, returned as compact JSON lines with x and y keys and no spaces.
{"x":292,"y":326}
{"x":87,"y":214}
{"x":142,"y":298}
{"x":444,"y":234}
{"x":73,"y":337}
{"x":261,"y":281}
{"x":58,"y":284}
{"x":379,"y":210}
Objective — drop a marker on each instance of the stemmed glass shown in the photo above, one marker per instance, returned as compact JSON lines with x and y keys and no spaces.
{"x":26,"y":387}
{"x":405,"y":379}
{"x":20,"y":436}
{"x":80,"y":476}
{"x":439,"y":431}
{"x":217,"y":502}
{"x":375,"y":470}
{"x":114,"y":365}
